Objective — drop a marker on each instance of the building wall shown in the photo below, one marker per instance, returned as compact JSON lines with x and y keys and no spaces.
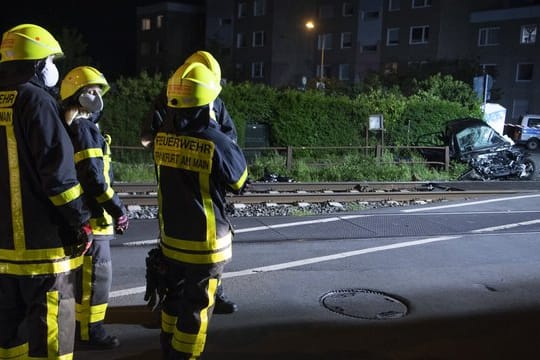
{"x":171,"y":33}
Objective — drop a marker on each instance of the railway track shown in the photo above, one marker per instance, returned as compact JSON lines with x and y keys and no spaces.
{"x":290,"y":193}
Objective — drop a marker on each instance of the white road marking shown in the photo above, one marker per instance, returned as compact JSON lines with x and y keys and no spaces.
{"x":507,"y":226}
{"x":469,"y":203}
{"x":291,"y":264}
{"x":297,"y":263}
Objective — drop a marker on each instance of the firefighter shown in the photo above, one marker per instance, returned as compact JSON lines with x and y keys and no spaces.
{"x":81,"y":94}
{"x":44,"y":228}
{"x":196,"y":163}
{"x":219,"y":114}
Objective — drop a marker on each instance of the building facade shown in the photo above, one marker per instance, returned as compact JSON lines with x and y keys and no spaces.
{"x":267,"y":41}
{"x":167,"y":33}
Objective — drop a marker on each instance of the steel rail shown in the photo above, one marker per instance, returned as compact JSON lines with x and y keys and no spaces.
{"x":292,"y":193}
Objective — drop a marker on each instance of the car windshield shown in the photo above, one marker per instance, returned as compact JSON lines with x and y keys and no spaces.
{"x":477,"y":138}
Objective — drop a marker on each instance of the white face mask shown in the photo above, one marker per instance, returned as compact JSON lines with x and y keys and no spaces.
{"x":91,"y":102}
{"x":50,"y":73}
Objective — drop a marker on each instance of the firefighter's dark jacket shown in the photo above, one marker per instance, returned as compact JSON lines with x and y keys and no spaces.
{"x":93,"y":162}
{"x":197,"y":164}
{"x":40,"y":198}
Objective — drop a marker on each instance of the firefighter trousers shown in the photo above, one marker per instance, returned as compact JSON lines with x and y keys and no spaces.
{"x":37,"y":316}
{"x":187,"y":308}
{"x":93,"y":281}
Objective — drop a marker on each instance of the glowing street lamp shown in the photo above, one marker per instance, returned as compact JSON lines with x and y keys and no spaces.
{"x":310,"y":25}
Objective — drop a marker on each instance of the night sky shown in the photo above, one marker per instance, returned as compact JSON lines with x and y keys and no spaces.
{"x":107,"y":27}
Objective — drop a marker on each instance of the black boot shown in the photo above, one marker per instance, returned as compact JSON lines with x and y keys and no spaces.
{"x":224,"y":305}
{"x":99,"y":340}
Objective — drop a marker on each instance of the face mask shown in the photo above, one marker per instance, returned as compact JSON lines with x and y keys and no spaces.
{"x":50,"y":73}
{"x":91,"y":102}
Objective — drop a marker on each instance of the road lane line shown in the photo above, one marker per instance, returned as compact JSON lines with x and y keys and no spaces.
{"x":507,"y":226}
{"x":469,"y":203}
{"x":308,"y":261}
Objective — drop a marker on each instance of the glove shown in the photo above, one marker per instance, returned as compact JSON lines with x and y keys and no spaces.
{"x":84,"y":238}
{"x":121,"y":224}
{"x":156,"y":271}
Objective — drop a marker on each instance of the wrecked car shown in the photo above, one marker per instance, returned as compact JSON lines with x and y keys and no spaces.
{"x":490,"y":155}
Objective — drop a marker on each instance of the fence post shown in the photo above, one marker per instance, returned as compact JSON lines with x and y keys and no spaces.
{"x":446,"y":158}
{"x":289,"y":157}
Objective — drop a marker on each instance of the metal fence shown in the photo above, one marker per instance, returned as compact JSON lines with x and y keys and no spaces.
{"x":400,"y":154}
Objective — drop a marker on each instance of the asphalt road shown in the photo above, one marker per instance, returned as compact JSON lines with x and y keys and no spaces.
{"x":453,"y":280}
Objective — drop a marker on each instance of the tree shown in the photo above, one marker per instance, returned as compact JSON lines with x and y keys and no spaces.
{"x":74,"y":48}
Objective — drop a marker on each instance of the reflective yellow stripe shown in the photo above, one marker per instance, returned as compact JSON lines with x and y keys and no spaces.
{"x":87,"y":154}
{"x":238,"y":185}
{"x":107,"y":195}
{"x":211,"y":258}
{"x":15,"y":189}
{"x":208,"y":208}
{"x":168,"y":322}
{"x":67,"y":196}
{"x":192,"y":245}
{"x":194,"y":343}
{"x":82,"y":309}
{"x":97,"y":312}
{"x":48,"y":255}
{"x":15,"y":353}
{"x":28,"y":269}
{"x":52,"y":324}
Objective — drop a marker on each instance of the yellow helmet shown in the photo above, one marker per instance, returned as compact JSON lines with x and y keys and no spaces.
{"x":205,"y":58}
{"x":80,"y":77}
{"x":28,"y":42}
{"x":192,"y":85}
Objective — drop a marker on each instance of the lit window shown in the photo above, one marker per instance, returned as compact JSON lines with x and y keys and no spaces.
{"x":159,"y":21}
{"x":419,"y":34}
{"x":488,"y":36}
{"x":346,"y":40}
{"x":257,"y":70}
{"x":259,"y":7}
{"x":242,"y":10}
{"x":528,"y":34}
{"x":146,"y":24}
{"x":394,"y":5}
{"x":421,"y":3}
{"x":392,"y":37}
{"x":258,"y":39}
{"x":347,"y":9}
{"x":524,"y":72}
{"x":344,"y":71}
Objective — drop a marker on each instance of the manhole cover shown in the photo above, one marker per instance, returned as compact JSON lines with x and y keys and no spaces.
{"x":364,"y":304}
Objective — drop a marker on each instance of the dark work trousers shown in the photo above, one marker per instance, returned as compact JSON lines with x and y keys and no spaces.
{"x":37,"y":316}
{"x":94,"y":280}
{"x":188,"y":308}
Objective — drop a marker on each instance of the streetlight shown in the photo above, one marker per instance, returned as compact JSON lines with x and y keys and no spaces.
{"x":311,"y":25}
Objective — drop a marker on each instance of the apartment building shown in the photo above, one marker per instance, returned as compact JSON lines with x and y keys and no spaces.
{"x":500,"y":35}
{"x":267,"y":41}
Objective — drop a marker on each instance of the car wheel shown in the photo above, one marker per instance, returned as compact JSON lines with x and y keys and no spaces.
{"x":532,"y":144}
